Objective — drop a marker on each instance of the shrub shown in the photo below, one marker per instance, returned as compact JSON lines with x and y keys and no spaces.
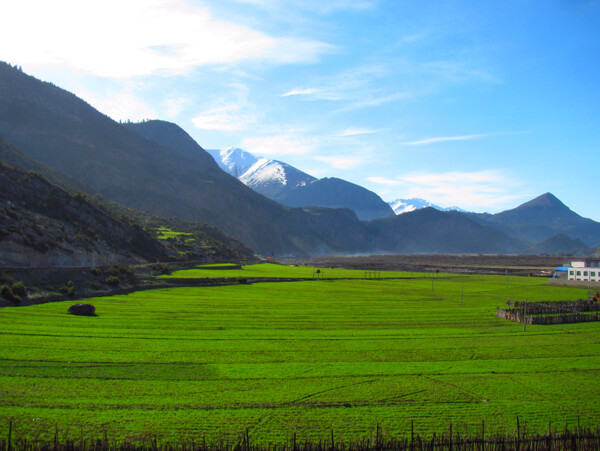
{"x":68,"y":288}
{"x":95,"y":271}
{"x":113,"y":271}
{"x":5,"y":278}
{"x":113,"y":281}
{"x":7,"y":293}
{"x":19,"y":288}
{"x":124,"y":269}
{"x":161,"y":268}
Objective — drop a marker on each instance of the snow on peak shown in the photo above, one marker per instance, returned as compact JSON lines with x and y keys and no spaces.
{"x":265,"y":171}
{"x":233,"y":160}
{"x":406,"y":205}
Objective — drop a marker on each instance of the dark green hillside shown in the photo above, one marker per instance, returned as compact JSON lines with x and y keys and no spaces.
{"x":60,"y":130}
{"x":431,"y":231}
{"x":42,"y":224}
{"x":560,"y":244}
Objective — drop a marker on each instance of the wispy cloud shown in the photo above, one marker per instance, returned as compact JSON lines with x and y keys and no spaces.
{"x":275,"y":146}
{"x":120,"y":105}
{"x":146,"y":37}
{"x":224,"y":118}
{"x":300,"y":92}
{"x":385,"y":181}
{"x":341,"y":162}
{"x":314,"y":6}
{"x":441,"y":139}
{"x":474,"y":190}
{"x":357,"y":131}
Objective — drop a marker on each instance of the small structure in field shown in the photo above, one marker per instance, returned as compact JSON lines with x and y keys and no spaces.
{"x":82,"y":310}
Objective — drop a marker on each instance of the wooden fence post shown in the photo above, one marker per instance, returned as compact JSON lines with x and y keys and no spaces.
{"x":10,"y":425}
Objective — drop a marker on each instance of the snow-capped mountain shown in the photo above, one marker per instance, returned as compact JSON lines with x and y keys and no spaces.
{"x":290,"y":186}
{"x":405,"y":205}
{"x":271,"y":178}
{"x":233,"y":160}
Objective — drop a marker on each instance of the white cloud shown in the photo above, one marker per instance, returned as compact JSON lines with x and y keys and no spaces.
{"x":313,"y":6}
{"x":472,"y":190}
{"x":385,"y":181}
{"x":341,"y":162}
{"x":299,"y":92}
{"x":275,"y":146}
{"x":357,"y":131}
{"x":120,"y":106}
{"x":225,"y":118}
{"x":123,"y":39}
{"x":174,"y":106}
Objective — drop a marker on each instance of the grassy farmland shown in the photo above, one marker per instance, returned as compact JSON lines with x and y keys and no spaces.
{"x":306,"y":357}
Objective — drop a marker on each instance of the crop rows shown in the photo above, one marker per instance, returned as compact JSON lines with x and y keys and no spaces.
{"x":306,"y":357}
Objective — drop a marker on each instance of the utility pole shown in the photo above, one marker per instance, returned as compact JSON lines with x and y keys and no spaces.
{"x":525,"y":316}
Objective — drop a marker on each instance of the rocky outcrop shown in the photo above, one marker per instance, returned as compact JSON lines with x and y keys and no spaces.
{"x":82,"y":310}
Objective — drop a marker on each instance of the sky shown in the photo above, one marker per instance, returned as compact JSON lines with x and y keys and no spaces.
{"x":480,"y":104}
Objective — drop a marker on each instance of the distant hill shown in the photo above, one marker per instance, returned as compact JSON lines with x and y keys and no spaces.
{"x":542,"y":218}
{"x":290,"y":186}
{"x":560,"y":244}
{"x":428,"y":230}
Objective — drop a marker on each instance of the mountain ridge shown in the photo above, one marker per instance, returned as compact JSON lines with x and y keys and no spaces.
{"x":290,"y":186}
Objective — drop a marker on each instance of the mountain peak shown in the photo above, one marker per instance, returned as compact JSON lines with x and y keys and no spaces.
{"x":546,"y":200}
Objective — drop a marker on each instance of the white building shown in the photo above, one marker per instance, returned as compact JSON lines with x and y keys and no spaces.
{"x":585,"y":270}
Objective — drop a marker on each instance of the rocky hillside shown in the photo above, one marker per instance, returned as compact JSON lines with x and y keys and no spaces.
{"x":43,"y":225}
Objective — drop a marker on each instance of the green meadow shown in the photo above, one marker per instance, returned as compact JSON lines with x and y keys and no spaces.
{"x":308,"y":357}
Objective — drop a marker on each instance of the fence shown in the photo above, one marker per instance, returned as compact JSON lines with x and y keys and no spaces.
{"x":581,"y":439}
{"x":557,"y":312}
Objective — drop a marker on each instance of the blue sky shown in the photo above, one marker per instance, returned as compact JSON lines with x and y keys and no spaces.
{"x":480,"y":104}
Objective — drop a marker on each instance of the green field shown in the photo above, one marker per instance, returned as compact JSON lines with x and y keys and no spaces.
{"x":270,"y":270}
{"x":306,"y":357}
{"x":164,"y":233}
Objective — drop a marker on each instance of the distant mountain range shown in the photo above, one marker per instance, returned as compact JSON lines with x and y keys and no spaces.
{"x":290,"y":186}
{"x":155,"y":167}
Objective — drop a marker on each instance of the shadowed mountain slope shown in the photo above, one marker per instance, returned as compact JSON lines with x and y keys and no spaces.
{"x":60,"y":130}
{"x":333,"y":192}
{"x":542,"y":218}
{"x":431,"y":231}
